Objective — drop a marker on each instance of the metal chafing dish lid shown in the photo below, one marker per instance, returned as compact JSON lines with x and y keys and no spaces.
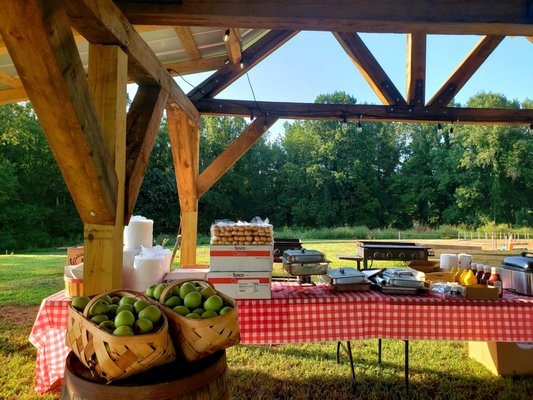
{"x":303,"y":256}
{"x":523,"y":261}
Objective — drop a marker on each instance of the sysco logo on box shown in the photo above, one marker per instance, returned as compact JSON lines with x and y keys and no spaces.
{"x":240,"y":248}
{"x":236,"y":275}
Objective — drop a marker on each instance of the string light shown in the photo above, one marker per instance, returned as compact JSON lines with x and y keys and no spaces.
{"x":344,"y":123}
{"x":359,"y":127}
{"x":226,"y":35}
{"x":439,"y":128}
{"x":531,"y":128}
{"x":242,"y":62}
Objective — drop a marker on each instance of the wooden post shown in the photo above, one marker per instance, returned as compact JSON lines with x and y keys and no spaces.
{"x":184,"y":136}
{"x":103,"y":244}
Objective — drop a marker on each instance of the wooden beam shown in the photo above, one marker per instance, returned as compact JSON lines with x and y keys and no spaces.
{"x":530,"y":38}
{"x":100,"y":21}
{"x":103,"y":245}
{"x":203,"y":65}
{"x":416,"y":69}
{"x":473,"y":17}
{"x":228,"y":74}
{"x":187,"y":41}
{"x":10,"y":80}
{"x":235,"y":150}
{"x":481,"y":51}
{"x":369,"y":67}
{"x":337,"y":112}
{"x":144,"y":118}
{"x":49,"y":65}
{"x":233,"y":46}
{"x":13,"y":96}
{"x":184,"y":139}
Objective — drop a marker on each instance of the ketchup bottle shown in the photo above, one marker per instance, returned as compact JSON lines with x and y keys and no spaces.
{"x":480,"y":273}
{"x":496,"y":280}
{"x":486,"y":275}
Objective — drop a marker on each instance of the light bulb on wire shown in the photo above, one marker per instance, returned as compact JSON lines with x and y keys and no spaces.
{"x":226,"y":35}
{"x":344,"y":123}
{"x":439,"y":128}
{"x":359,"y":127}
{"x":531,"y":128}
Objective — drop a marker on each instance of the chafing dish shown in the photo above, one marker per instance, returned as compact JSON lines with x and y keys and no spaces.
{"x":517,"y":273}
{"x":303,"y":256}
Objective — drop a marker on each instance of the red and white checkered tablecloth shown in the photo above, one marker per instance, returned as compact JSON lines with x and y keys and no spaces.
{"x":316,"y":314}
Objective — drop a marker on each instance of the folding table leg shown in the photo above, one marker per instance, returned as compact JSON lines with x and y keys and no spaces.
{"x":406,"y":365}
{"x":348,"y":350}
{"x":338,"y":352}
{"x":379,"y":351}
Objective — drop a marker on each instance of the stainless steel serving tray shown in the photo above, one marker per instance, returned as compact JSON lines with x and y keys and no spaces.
{"x":302,"y":269}
{"x":303,"y":256}
{"x":345,"y":276}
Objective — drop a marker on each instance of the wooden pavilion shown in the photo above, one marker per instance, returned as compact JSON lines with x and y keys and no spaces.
{"x":73,"y":59}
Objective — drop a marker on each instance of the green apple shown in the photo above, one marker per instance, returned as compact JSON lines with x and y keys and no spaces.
{"x":176,"y":291}
{"x":173,"y":301}
{"x":112,"y":309}
{"x":108,"y":299}
{"x":115,"y":299}
{"x":143,"y":325}
{"x":123,"y":331}
{"x":108,"y":326}
{"x":125,"y":307}
{"x":159,"y":289}
{"x":150,"y":291}
{"x":198,"y":311}
{"x":124,"y":318}
{"x":152,"y":313}
{"x":79,"y":303}
{"x":98,"y":319}
{"x":193,"y":316}
{"x":193,"y":300}
{"x":209,"y":314}
{"x":127,"y":300}
{"x":140,"y":305}
{"x":186,"y":288}
{"x":100,"y":307}
{"x":182,"y":310}
{"x":213,"y":303}
{"x":225,"y":310}
{"x":208,"y":292}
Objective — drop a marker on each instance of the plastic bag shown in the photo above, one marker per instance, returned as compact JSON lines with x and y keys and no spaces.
{"x":256,"y":232}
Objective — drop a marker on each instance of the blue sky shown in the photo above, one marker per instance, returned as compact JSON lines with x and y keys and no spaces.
{"x":313,"y":63}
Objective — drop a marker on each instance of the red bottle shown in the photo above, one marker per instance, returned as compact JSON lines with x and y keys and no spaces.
{"x":480,"y":273}
{"x":496,"y":280}
{"x":486,"y":275}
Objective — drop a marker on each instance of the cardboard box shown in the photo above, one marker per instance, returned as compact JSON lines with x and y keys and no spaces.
{"x":74,"y":255}
{"x":482,"y":292}
{"x":185,"y":273}
{"x":501,"y":358}
{"x":242,"y":284}
{"x":241,"y":258}
{"x":424,"y":266}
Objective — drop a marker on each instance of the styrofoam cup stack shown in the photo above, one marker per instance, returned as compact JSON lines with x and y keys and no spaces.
{"x":127,"y":268}
{"x":139,"y":232}
{"x":464,"y":260}
{"x":448,"y":261}
{"x":149,"y":267}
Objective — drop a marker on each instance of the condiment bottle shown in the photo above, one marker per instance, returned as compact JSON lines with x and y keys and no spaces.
{"x":458,"y":274}
{"x":486,"y":275}
{"x":454,"y":269}
{"x":474,"y":268}
{"x":480,"y":272}
{"x":496,"y":280}
{"x":470,"y":278}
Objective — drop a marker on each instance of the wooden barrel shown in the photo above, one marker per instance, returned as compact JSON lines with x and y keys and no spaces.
{"x":203,"y":379}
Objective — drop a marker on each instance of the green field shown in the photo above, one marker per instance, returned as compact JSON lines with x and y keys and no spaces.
{"x":439,"y":370}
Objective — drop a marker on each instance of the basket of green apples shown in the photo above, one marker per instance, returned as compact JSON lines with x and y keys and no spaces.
{"x":202,"y":320}
{"x":118,"y":333}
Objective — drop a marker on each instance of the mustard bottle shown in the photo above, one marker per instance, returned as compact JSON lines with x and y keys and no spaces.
{"x":458,"y":274}
{"x":454,"y":269}
{"x":463,"y":275}
{"x":470,"y":278}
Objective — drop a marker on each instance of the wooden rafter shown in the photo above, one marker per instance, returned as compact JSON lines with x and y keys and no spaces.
{"x":369,"y":67}
{"x":500,"y":116}
{"x":144,"y":117}
{"x":235,"y":150}
{"x":473,"y":17}
{"x":416,"y":69}
{"x":13,"y":96}
{"x":49,"y":65}
{"x":100,"y":21}
{"x":465,"y":70}
{"x":10,"y":80}
{"x":233,"y":45}
{"x":203,"y":65}
{"x":185,"y":36}
{"x":228,"y":74}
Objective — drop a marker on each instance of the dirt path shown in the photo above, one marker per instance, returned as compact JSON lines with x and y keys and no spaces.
{"x":19,"y":315}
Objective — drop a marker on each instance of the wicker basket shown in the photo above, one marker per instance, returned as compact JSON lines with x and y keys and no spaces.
{"x":115,"y":357}
{"x":197,"y":338}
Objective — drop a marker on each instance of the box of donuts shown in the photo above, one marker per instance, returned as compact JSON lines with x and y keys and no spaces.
{"x":241,"y":246}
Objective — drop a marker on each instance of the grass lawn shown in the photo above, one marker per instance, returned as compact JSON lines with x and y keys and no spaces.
{"x":439,"y":370}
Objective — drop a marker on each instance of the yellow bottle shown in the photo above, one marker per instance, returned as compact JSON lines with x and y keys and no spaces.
{"x":454,"y":269}
{"x":463,"y":275}
{"x":470,"y":278}
{"x":458,"y":274}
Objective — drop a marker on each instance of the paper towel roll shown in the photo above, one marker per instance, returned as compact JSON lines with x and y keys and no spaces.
{"x":139,"y":232}
{"x":464,"y":260}
{"x":448,"y":261}
{"x":147,"y":271}
{"x":127,"y":268}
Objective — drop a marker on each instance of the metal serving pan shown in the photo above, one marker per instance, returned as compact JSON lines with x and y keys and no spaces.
{"x":303,"y":256}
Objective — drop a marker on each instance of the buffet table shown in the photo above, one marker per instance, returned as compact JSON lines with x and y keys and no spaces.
{"x":298,"y":314}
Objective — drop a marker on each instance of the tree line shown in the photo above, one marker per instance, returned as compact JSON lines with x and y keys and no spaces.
{"x":316,"y":174}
